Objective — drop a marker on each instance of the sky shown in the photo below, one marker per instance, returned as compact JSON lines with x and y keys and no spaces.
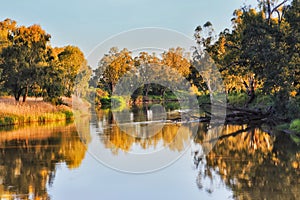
{"x":86,"y":23}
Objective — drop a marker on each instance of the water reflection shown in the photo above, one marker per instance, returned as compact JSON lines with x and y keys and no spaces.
{"x":253,"y":164}
{"x":29,"y":155}
{"x":247,"y":161}
{"x":171,"y":135}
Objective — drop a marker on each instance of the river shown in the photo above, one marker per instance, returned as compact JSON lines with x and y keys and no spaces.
{"x":96,"y":158}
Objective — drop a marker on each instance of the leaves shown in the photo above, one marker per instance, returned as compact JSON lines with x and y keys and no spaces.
{"x":27,"y":62}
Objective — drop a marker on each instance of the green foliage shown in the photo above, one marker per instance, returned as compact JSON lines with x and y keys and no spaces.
{"x":263,"y":100}
{"x":105,"y":102}
{"x":204,"y":99}
{"x":295,"y":125}
{"x":171,"y":68}
{"x":158,"y":97}
{"x":169,"y":106}
{"x":261,"y":49}
{"x":237,"y":99}
{"x":30,"y":66}
{"x":282,"y":127}
{"x":118,"y":102}
{"x":23,"y":58}
{"x":69,"y":115}
{"x":42,"y":118}
{"x":71,"y":62}
{"x":293,"y":108}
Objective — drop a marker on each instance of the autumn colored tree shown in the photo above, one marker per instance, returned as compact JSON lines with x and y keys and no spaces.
{"x":178,"y":60}
{"x":25,"y":55}
{"x":70,"y":61}
{"x":112,"y":67}
{"x":146,"y":63}
{"x":30,"y":66}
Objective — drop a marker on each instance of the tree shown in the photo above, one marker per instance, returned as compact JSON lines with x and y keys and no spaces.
{"x":113,"y":66}
{"x":257,"y":53}
{"x":292,"y":17}
{"x":70,"y":61}
{"x":81,"y":84}
{"x":24,"y":56}
{"x":176,"y":59}
{"x":146,"y":63}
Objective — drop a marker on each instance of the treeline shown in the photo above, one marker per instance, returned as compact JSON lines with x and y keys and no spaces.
{"x":258,"y":59}
{"x":29,"y":66}
{"x":261,"y":53}
{"x":144,"y":72}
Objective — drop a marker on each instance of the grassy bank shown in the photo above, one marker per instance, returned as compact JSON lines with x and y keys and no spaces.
{"x":34,"y":110}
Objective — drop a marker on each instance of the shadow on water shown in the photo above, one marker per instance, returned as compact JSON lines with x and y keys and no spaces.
{"x":29,"y":156}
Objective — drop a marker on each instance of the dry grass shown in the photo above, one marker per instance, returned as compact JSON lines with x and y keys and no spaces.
{"x":32,"y":106}
{"x":34,"y":109}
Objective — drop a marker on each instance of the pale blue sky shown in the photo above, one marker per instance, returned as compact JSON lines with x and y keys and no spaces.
{"x":86,"y":23}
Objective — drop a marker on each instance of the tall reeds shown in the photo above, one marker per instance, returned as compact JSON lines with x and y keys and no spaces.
{"x":34,"y":110}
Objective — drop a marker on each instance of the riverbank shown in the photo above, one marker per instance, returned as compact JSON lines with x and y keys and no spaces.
{"x":33,"y":110}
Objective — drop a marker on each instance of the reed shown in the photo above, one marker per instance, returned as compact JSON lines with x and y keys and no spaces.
{"x":33,"y":110}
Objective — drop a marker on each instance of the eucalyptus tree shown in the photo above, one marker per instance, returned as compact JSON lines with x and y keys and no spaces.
{"x":23,"y":57}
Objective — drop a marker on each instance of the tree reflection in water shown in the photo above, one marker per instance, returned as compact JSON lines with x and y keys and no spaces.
{"x":253,"y":164}
{"x":174,"y":136}
{"x":250,"y":162}
{"x":29,"y":155}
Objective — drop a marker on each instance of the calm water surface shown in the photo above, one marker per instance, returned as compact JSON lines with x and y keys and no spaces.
{"x":59,"y":161}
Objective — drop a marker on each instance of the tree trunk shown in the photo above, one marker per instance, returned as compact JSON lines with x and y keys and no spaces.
{"x":17,"y":97}
{"x":146,"y":93}
{"x":25,"y":94}
{"x":250,"y":89}
{"x":112,"y":87}
{"x":18,"y":94}
{"x":162,"y":92}
{"x":147,"y":90}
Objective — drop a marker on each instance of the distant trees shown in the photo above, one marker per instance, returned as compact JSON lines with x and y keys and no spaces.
{"x":30,"y":66}
{"x":115,"y":64}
